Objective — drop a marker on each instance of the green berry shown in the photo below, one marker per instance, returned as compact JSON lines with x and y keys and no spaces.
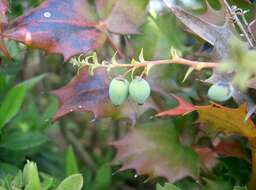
{"x":220,"y":92}
{"x":118,"y":91}
{"x":139,"y":90}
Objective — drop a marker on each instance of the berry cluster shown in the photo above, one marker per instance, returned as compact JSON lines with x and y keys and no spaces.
{"x":120,"y":89}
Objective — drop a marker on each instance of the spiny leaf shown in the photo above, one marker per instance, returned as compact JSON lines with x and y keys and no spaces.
{"x":227,"y":120}
{"x":153,"y":149}
{"x":215,"y":35}
{"x":86,"y":93}
{"x":57,"y":27}
{"x":183,"y":108}
{"x":213,"y":16}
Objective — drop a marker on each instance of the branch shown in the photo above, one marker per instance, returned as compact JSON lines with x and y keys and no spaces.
{"x":197,"y":65}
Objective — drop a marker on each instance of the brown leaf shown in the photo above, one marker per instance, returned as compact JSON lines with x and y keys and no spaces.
{"x":154,"y":149}
{"x":126,"y":16}
{"x":57,"y":27}
{"x":183,"y":108}
{"x":227,"y":120}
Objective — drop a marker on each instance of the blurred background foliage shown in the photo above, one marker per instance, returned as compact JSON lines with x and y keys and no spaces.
{"x":77,"y":143}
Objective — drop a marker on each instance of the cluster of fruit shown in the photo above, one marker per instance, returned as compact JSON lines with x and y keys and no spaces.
{"x":120,"y":89}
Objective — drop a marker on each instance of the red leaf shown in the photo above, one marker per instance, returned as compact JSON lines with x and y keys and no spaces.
{"x":182,"y":108}
{"x":57,"y":27}
{"x":84,"y":93}
{"x":230,"y":149}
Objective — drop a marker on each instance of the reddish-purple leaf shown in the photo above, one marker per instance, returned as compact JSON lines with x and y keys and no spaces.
{"x":154,"y":149}
{"x":57,"y":27}
{"x":183,"y":108}
{"x":84,"y":93}
{"x":90,"y":93}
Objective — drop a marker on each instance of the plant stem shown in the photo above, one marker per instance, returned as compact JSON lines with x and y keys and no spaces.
{"x":197,"y":65}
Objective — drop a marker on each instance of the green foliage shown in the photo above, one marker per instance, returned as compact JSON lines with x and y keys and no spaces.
{"x":71,"y":162}
{"x":14,"y":99}
{"x":167,"y":186}
{"x":73,"y":151}
{"x":73,"y":182}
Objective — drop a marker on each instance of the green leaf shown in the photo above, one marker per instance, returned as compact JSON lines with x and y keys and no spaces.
{"x":31,"y":177}
{"x":73,"y":182}
{"x":47,"y":181}
{"x":11,"y":104}
{"x":217,"y":185}
{"x":18,"y":180}
{"x":239,"y":188}
{"x":103,"y":178}
{"x":154,"y":149}
{"x":23,"y":141}
{"x":7,"y":169}
{"x":167,"y":186}
{"x":14,"y":99}
{"x":71,"y":162}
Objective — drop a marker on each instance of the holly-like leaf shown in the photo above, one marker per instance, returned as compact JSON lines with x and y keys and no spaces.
{"x":154,"y":149}
{"x":57,"y":27}
{"x":215,"y":35}
{"x":126,"y":16}
{"x":84,"y":93}
{"x":89,"y":93}
{"x":212,"y":15}
{"x":227,"y":120}
{"x":183,"y":108}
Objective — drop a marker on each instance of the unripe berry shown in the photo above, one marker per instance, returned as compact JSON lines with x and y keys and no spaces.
{"x":220,"y":91}
{"x":118,"y":91}
{"x":139,"y":90}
